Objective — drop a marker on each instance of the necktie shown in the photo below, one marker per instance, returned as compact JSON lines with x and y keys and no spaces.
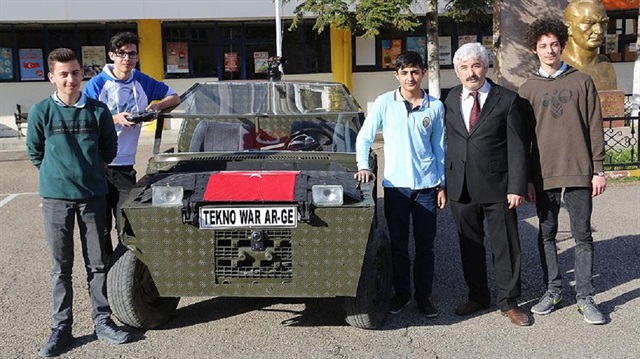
{"x":475,"y":110}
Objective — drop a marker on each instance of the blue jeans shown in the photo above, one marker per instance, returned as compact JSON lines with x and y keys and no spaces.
{"x":59,"y":220}
{"x":399,"y":205}
{"x":579,"y":204}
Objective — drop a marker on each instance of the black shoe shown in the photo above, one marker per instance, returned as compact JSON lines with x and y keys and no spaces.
{"x":107,"y":330}
{"x":398,"y":302}
{"x":426,"y":307}
{"x":58,"y":341}
{"x":470,"y":307}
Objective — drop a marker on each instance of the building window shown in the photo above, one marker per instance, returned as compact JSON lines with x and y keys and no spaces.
{"x":306,"y":50}
{"x":177,"y":56}
{"x":61,"y":35}
{"x":8,"y":56}
{"x":620,"y":44}
{"x":379,"y":54}
{"x":37,"y":40}
{"x":239,"y":50}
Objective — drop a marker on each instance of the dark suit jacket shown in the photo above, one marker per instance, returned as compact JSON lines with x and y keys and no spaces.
{"x":493,"y":158}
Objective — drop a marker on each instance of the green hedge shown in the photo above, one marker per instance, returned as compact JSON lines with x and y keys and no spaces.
{"x":621,"y":156}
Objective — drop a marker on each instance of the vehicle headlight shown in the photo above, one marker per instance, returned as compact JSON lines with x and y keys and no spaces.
{"x":166,"y":196}
{"x":327,"y":195}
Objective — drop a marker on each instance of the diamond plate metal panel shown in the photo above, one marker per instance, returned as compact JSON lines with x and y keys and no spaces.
{"x":322,"y":258}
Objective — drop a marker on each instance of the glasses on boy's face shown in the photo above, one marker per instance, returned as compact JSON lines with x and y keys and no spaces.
{"x":123,"y":54}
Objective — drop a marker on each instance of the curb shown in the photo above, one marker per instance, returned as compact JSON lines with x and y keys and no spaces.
{"x":14,"y":144}
{"x":624,"y":173}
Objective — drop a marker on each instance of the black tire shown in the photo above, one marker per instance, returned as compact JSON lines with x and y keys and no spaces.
{"x":369,"y":308}
{"x":133,"y":295}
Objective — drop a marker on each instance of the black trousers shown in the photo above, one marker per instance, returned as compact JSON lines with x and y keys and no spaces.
{"x":579,"y":204}
{"x":120,"y":180}
{"x":502,"y":224}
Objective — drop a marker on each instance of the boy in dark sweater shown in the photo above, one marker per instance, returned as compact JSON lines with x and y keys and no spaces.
{"x":568,"y":154}
{"x":70,"y":139}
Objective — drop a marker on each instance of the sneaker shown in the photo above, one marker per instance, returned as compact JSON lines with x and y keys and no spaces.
{"x":107,"y":330}
{"x":587,"y":307}
{"x":398,"y":302}
{"x":546,"y":304}
{"x":426,"y":307}
{"x":58,"y":341}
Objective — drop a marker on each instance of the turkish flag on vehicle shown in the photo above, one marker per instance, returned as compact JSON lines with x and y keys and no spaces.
{"x":251,"y":186}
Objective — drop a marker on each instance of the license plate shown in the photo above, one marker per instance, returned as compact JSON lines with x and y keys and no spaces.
{"x":232,"y":217}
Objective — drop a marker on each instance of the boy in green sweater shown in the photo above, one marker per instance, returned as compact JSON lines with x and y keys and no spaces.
{"x":70,"y":139}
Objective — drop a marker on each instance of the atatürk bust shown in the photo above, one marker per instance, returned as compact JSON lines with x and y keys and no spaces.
{"x":587,"y":22}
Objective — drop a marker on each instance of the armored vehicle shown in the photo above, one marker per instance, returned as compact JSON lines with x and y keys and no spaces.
{"x":256,"y":199}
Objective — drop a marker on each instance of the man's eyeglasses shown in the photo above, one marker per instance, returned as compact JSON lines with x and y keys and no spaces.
{"x":123,"y":54}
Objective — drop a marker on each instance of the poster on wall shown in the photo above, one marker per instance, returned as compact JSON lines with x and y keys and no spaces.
{"x":419,"y":45}
{"x":260,"y":62}
{"x":487,"y":42}
{"x":444,"y":48}
{"x":465,"y":39}
{"x":365,"y":51}
{"x":31,"y":64}
{"x":177,"y":57}
{"x":6,"y":63}
{"x":92,"y":60}
{"x":390,"y":51}
{"x":611,"y":43}
{"x":231,"y":62}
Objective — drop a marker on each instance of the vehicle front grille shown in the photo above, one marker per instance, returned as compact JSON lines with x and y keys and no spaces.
{"x":234,"y":258}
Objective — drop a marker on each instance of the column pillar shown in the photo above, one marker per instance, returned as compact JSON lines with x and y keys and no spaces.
{"x":341,"y":57}
{"x":150,"y":49}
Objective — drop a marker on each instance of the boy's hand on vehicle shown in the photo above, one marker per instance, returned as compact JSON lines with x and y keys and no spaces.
{"x":153,"y":107}
{"x":364,"y":176}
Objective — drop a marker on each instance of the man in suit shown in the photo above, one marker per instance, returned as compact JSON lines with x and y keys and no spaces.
{"x":486,"y":171}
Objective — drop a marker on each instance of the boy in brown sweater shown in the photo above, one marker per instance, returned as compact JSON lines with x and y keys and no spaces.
{"x":568,"y":154}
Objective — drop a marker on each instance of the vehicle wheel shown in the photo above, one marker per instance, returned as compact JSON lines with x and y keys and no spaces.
{"x":369,"y":308}
{"x":133,"y":295}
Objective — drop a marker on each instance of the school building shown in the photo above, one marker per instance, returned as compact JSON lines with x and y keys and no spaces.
{"x":195,"y":40}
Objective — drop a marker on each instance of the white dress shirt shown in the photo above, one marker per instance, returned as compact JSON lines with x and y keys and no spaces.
{"x":466,"y":101}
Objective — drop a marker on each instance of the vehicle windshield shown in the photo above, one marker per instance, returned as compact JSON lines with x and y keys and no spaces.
{"x":254,"y":116}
